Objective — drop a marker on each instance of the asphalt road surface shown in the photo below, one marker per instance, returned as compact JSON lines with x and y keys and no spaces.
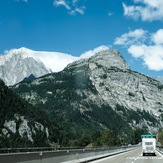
{"x":134,"y":156}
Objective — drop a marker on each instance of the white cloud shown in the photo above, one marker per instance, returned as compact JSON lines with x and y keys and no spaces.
{"x":62,"y":3}
{"x":73,"y":6}
{"x":78,"y":10}
{"x":137,"y":51}
{"x":147,"y":10}
{"x":132,"y":37}
{"x":90,"y":53}
{"x":151,"y":55}
{"x":158,"y":37}
{"x":54,"y":60}
{"x":148,"y":47}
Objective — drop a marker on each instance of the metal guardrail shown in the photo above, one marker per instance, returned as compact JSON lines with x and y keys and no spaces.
{"x":44,"y":149}
{"x":46,"y":155}
{"x":21,"y":150}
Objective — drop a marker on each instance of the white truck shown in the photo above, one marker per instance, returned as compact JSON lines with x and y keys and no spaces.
{"x":148,"y":146}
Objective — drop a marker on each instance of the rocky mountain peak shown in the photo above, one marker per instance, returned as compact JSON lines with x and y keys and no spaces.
{"x":21,"y":51}
{"x":18,"y":64}
{"x":107,"y":58}
{"x":14,"y":53}
{"x":110,"y":59}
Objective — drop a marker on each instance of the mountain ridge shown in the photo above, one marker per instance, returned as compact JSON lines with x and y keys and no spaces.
{"x":97,"y":91}
{"x":17,"y":64}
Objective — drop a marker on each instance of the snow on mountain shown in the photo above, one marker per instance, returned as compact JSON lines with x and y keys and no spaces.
{"x":53,"y":61}
{"x":17,"y":64}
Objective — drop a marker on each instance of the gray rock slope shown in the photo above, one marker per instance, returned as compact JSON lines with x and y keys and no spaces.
{"x":102,"y":80}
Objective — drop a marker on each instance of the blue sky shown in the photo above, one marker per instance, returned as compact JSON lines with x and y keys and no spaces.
{"x":134,"y":27}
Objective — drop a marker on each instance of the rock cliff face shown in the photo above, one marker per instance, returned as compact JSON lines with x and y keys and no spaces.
{"x":117,"y":84}
{"x":23,"y":128}
{"x":100,"y":91}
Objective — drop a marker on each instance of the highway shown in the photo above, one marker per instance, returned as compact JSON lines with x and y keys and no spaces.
{"x":133,"y":156}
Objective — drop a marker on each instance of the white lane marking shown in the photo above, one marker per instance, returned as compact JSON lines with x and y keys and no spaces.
{"x":159,"y":153}
{"x":136,"y":158}
{"x":113,"y":156}
{"x":141,"y":155}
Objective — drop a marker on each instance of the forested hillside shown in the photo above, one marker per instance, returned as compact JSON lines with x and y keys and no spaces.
{"x":21,"y":124}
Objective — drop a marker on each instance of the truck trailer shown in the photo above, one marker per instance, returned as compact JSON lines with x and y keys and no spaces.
{"x":148,"y":146}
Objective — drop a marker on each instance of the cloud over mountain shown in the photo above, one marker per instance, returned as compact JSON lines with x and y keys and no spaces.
{"x":145,"y":45}
{"x":90,"y":53}
{"x":17,"y":64}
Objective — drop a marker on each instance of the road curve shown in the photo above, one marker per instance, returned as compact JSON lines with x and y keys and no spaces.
{"x":134,"y":156}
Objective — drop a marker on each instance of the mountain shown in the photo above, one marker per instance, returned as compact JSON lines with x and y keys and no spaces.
{"x":29,"y":78}
{"x":17,"y":64}
{"x":21,"y":124}
{"x":159,"y":78}
{"x":98,"y":93}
